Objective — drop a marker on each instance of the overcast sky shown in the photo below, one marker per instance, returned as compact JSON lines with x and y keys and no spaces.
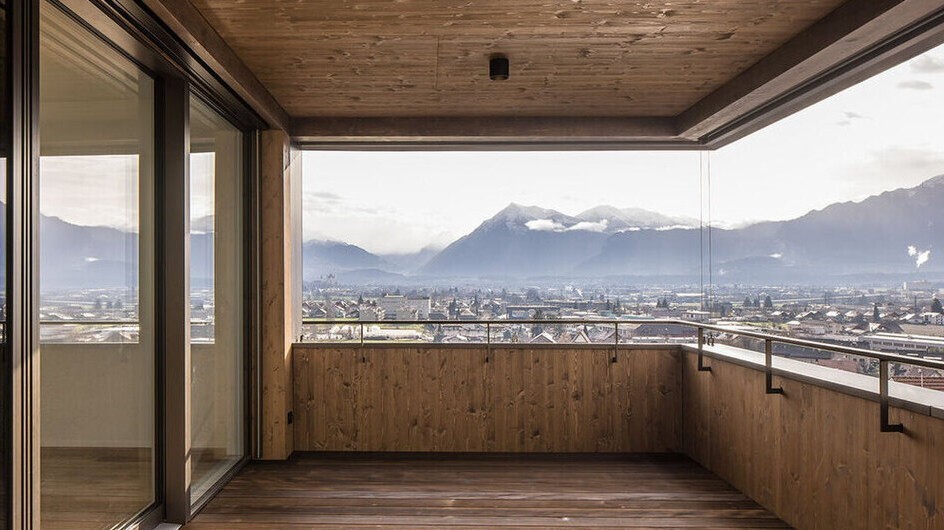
{"x":69,"y":184}
{"x":885,"y":133}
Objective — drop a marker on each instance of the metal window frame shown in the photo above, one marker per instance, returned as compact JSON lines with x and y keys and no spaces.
{"x":251,"y":332}
{"x":22,"y":231}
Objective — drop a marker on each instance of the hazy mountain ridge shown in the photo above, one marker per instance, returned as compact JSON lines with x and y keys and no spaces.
{"x":537,"y":240}
{"x":321,"y":258}
{"x":74,"y":256}
{"x":410,"y":261}
{"x":619,"y":219}
{"x":848,"y":238}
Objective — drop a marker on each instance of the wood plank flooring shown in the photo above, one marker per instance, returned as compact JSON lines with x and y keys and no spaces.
{"x":93,"y":487}
{"x":336,"y":490}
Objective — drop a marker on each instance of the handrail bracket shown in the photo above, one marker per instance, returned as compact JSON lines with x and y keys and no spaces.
{"x":768,"y":368}
{"x":701,"y":351}
{"x":884,"y":400}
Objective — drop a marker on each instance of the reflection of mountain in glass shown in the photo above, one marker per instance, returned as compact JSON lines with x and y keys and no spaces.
{"x":85,"y":257}
{"x":851,"y":239}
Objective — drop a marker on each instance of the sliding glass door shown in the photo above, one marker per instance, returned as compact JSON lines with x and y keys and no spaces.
{"x":217,"y":299}
{"x":97,"y":279}
{"x":124,"y":201}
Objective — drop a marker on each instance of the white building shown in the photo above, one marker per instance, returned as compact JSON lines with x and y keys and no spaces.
{"x":696,"y":316}
{"x":904,"y":344}
{"x":399,"y":307}
{"x":935,"y":319}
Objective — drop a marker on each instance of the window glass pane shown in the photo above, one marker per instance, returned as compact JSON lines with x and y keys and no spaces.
{"x":217,"y":292}
{"x":96,"y":279}
{"x":834,"y":218}
{"x":543,"y":235}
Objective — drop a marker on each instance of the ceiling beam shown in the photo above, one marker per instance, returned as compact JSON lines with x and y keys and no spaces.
{"x":489,"y":133}
{"x":756,"y":97}
{"x":193,"y":29}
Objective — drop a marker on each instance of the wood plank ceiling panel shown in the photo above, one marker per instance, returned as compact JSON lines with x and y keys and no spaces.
{"x":381,"y":58}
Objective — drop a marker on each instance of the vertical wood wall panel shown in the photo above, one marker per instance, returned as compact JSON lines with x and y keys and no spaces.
{"x":813,"y":456}
{"x":279,"y":165}
{"x":428,"y":398}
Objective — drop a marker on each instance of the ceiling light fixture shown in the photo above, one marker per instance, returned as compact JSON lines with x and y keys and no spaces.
{"x":498,"y":68}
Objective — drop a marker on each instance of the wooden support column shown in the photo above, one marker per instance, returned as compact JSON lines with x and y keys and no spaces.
{"x":280,"y":174}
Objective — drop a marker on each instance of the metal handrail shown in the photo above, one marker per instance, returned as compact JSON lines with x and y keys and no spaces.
{"x":102,"y":322}
{"x":835,"y":348}
{"x":700,"y":328}
{"x":85,"y":322}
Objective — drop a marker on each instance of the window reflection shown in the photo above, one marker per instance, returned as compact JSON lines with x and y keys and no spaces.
{"x":216,"y":301}
{"x":96,"y":280}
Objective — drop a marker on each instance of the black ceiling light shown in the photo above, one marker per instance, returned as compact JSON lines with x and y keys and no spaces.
{"x":498,"y":68}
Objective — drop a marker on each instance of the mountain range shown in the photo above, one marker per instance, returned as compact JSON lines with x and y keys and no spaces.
{"x":75,"y":256}
{"x":866,"y":237}
{"x":895,"y":232}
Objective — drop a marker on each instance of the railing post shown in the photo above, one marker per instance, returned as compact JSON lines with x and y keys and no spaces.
{"x":768,"y":368}
{"x":363,"y":355}
{"x":883,"y":399}
{"x":616,"y":342}
{"x":701,"y":351}
{"x":488,"y":341}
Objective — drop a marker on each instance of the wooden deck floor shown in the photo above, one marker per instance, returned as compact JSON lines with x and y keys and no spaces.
{"x":480,"y":491}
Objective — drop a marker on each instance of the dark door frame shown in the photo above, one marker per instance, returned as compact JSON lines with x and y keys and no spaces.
{"x":137,"y":34}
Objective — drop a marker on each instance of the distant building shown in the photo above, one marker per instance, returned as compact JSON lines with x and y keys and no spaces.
{"x":696,"y":315}
{"x":525,"y":312}
{"x":663,"y":330}
{"x":918,"y":285}
{"x":398,"y":307}
{"x":543,"y":338}
{"x":904,"y":344}
{"x":934,"y":319}
{"x":370,"y":313}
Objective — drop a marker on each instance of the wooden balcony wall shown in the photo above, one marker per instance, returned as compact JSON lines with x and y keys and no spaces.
{"x":814,"y":456}
{"x":512,"y":399}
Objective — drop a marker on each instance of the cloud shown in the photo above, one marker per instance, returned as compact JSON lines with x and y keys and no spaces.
{"x":915,"y":84}
{"x":545,"y":225}
{"x":550,"y":225}
{"x":911,"y":165}
{"x":672,"y":227}
{"x":587,"y":226}
{"x":323,"y":202}
{"x":110,"y":182}
{"x":326,"y":196}
{"x":928,"y":64}
{"x":849,"y":117}
{"x":921,"y":256}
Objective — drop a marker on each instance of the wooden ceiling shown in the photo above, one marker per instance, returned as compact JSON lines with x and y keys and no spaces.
{"x":584,"y":73}
{"x":423,"y":58}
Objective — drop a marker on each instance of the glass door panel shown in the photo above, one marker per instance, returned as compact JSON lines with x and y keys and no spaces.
{"x":96,"y":279}
{"x":217,"y":303}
